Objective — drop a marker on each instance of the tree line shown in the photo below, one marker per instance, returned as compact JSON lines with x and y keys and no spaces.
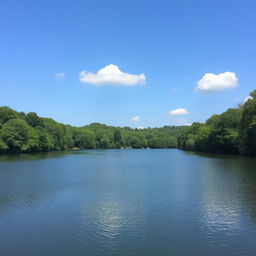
{"x":21,"y":132}
{"x":232,"y":132}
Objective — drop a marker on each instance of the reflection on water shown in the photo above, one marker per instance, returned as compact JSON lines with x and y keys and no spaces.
{"x":31,"y":157}
{"x":45,"y":155}
{"x":109,"y":220}
{"x":219,"y":217}
{"x":225,"y":197}
{"x":127,"y":202}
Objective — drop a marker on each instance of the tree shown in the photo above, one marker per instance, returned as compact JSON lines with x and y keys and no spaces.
{"x":15,"y":134}
{"x":30,"y":133}
{"x":247,"y":130}
{"x":33,"y":119}
{"x":3,"y":147}
{"x":138,"y":141}
{"x":33,"y":140}
{"x":83,"y":139}
{"x":55,"y":132}
{"x":118,"y":138}
{"x":45,"y":142}
{"x":7,"y":114}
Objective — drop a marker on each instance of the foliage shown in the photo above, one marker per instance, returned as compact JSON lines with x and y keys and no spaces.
{"x":248,"y":127}
{"x":14,"y":134}
{"x":232,"y":132}
{"x":20,"y":132}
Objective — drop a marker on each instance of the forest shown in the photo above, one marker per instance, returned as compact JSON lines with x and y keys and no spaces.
{"x":232,"y":132}
{"x":20,"y":132}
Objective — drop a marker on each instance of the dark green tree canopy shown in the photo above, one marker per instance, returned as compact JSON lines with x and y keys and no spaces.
{"x":33,"y":119}
{"x":232,"y":132}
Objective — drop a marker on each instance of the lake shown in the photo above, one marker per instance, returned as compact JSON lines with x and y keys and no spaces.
{"x":127,"y":202}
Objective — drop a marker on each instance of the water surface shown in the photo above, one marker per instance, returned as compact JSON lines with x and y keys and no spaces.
{"x":127,"y":202}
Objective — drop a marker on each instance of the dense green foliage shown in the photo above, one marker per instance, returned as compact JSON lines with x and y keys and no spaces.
{"x":20,"y":132}
{"x":232,"y":132}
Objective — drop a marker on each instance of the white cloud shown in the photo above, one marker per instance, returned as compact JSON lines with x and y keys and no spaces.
{"x":176,"y":89}
{"x":141,"y":127}
{"x":248,"y":98}
{"x":112,"y":75}
{"x":217,"y":83}
{"x":183,"y":121}
{"x":59,"y":75}
{"x":135,"y":119}
{"x":178,"y":111}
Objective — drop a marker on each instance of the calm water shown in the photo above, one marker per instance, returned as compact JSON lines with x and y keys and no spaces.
{"x":127,"y":202}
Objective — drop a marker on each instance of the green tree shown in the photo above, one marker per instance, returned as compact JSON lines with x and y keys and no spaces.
{"x":15,"y":134}
{"x":247,"y":130}
{"x":138,"y":141}
{"x":7,"y":114}
{"x":3,"y":147}
{"x":118,"y":138}
{"x":45,"y":134}
{"x":45,"y":142}
{"x":83,"y":139}
{"x":33,"y":119}
{"x":33,"y":140}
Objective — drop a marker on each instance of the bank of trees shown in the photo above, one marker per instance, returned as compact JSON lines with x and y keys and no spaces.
{"x":232,"y":132}
{"x":20,"y":132}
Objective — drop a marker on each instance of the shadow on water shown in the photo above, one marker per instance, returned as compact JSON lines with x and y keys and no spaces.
{"x":31,"y":156}
{"x":57,"y":154}
{"x":42,"y":155}
{"x":211,"y":155}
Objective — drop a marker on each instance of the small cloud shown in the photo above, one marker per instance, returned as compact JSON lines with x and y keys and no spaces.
{"x":176,"y":89}
{"x":217,"y":83}
{"x":141,"y":127}
{"x":183,"y":121}
{"x":112,"y":75}
{"x":248,"y":98}
{"x":135,"y":119}
{"x":178,"y":111}
{"x":59,"y":75}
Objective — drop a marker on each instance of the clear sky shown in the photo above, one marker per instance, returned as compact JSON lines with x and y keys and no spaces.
{"x":169,"y":59}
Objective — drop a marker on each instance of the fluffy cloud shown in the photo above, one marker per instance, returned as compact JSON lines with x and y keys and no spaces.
{"x":217,"y":83}
{"x":135,"y":119}
{"x":59,"y":75}
{"x":178,"y":111}
{"x":247,"y":98}
{"x":112,"y":75}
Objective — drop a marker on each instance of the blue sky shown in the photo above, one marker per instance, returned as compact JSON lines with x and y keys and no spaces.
{"x":173,"y":43}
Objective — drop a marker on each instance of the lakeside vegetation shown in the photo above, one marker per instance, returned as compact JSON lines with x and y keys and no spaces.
{"x":232,"y":132}
{"x":20,"y":132}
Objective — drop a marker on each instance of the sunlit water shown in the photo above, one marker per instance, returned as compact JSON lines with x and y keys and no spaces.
{"x":127,"y":202}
